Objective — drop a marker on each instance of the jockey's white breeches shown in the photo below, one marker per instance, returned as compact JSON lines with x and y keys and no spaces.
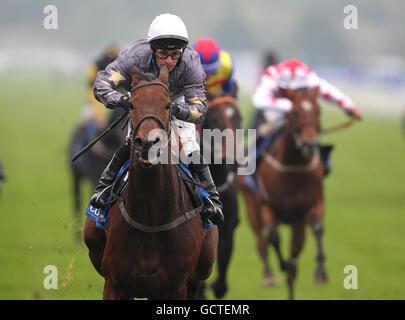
{"x":187,"y":135}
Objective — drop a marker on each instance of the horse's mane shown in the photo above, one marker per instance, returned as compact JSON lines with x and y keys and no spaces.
{"x":143,"y":75}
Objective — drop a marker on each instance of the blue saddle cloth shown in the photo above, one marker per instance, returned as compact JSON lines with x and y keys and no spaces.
{"x":100,"y":215}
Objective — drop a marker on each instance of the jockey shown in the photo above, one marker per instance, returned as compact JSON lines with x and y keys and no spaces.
{"x":270,"y":95}
{"x":218,"y":66}
{"x":94,"y":112}
{"x":269,"y":58}
{"x":166,"y":43}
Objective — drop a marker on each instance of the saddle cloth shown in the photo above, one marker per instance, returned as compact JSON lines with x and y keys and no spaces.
{"x":197,"y":194}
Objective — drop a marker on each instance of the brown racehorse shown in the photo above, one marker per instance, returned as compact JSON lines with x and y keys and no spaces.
{"x":290,"y":188}
{"x":155,"y":246}
{"x":223,"y":114}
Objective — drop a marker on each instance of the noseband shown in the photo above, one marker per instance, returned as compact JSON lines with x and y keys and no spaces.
{"x":295,"y":130}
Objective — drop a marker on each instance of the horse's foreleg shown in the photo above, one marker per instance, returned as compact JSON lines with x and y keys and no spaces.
{"x":297,"y":243}
{"x":317,"y":228}
{"x":95,"y":242}
{"x":112,"y":292}
{"x":201,"y":291}
{"x":196,"y":290}
{"x":256,"y":223}
{"x":274,"y":240}
{"x":196,"y":286}
{"x":225,"y":247}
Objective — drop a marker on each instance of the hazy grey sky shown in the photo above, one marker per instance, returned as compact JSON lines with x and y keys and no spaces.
{"x":312,"y":29}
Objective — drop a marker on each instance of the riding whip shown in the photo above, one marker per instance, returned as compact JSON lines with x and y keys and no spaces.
{"x":122,"y":116}
{"x":339,"y":126}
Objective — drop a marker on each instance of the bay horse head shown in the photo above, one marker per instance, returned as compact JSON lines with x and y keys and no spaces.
{"x":150,"y":117}
{"x":223,"y":116}
{"x":303,"y":121}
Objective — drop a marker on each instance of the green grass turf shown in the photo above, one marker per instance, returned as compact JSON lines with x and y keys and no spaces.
{"x":364,"y":223}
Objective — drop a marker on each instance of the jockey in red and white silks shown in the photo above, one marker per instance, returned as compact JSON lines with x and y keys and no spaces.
{"x":293,"y":74}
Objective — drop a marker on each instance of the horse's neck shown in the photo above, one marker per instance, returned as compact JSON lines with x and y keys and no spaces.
{"x":288,"y":153}
{"x":152,"y":193}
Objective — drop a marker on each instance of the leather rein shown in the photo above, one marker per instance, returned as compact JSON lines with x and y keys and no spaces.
{"x":134,"y":131}
{"x":179,"y":220}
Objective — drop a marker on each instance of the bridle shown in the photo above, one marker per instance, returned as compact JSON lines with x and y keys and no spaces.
{"x":179,"y":220}
{"x":295,"y":129}
{"x":166,"y":128}
{"x":220,"y":102}
{"x":300,"y":143}
{"x":149,"y":84}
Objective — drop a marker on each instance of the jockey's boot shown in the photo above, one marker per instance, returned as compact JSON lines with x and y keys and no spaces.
{"x":258,"y":157}
{"x":212,"y":207}
{"x":102,"y":190}
{"x":325,"y":151}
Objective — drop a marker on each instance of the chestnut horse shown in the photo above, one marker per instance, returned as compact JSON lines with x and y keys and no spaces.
{"x":155,"y":246}
{"x":290,"y":188}
{"x":223,"y":114}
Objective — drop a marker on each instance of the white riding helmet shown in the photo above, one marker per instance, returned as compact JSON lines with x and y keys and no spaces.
{"x":168,"y":31}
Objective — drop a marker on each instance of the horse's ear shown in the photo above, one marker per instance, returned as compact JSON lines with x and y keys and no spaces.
{"x":134,"y":76}
{"x":164,"y":74}
{"x":289,"y":93}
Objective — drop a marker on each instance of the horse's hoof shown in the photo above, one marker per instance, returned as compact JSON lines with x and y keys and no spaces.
{"x":219,"y":289}
{"x":320,"y":277}
{"x":270,"y":282}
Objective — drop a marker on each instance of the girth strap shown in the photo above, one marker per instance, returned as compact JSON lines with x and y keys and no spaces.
{"x":163,"y":227}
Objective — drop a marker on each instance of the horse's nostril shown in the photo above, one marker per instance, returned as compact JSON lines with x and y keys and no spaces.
{"x":139,"y":143}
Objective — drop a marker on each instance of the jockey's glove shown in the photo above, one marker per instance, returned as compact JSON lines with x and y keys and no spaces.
{"x":125,"y":103}
{"x":354,"y":113}
{"x":174,"y":108}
